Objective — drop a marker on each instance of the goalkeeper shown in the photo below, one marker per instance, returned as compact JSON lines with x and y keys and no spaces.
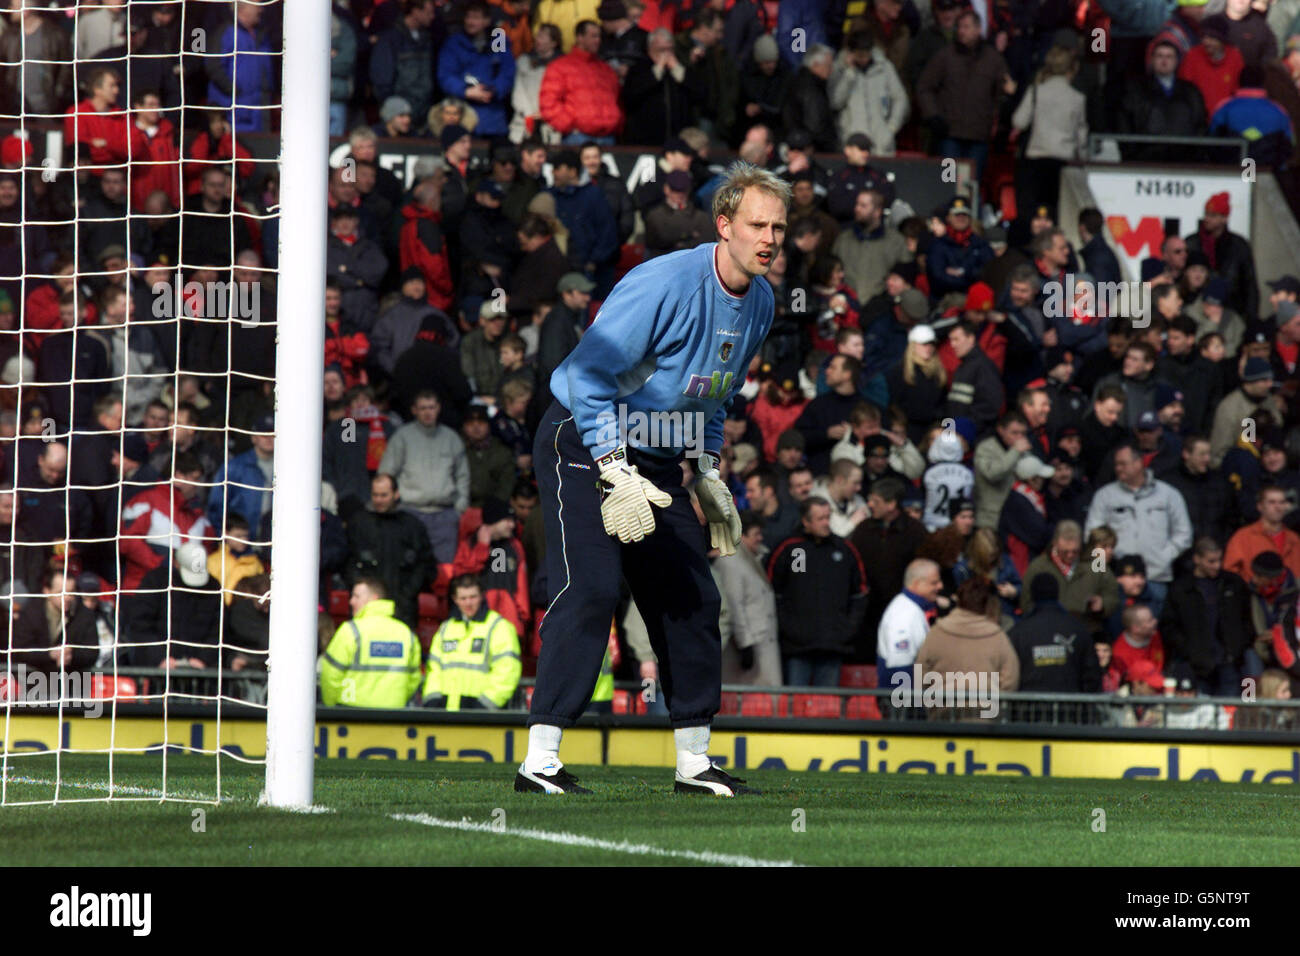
{"x":668,"y":347}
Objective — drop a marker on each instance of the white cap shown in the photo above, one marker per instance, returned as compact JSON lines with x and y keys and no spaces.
{"x":1030,"y":467}
{"x":192,"y":561}
{"x":18,"y":366}
{"x":921,"y":334}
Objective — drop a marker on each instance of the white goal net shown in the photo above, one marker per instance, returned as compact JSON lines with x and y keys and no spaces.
{"x":139,"y":252}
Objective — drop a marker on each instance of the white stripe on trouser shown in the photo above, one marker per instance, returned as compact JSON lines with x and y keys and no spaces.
{"x":544,"y":739}
{"x":559,"y":494}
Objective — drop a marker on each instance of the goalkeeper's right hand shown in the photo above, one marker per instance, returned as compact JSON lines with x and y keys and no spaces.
{"x":627,"y":497}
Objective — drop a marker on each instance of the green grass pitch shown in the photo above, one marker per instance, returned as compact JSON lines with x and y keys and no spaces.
{"x":467,"y":814}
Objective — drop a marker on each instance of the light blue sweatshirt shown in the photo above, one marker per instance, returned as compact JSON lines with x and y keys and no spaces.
{"x":669,"y":339}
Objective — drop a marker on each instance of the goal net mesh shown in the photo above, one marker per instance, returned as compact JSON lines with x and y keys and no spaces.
{"x":138,"y":244}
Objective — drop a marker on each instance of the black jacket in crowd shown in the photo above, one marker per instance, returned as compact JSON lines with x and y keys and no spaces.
{"x":32,"y":640}
{"x":807,"y":106}
{"x":886,"y":550}
{"x":79,"y":356}
{"x":1099,"y":260}
{"x":657,"y":107}
{"x":1148,"y":110}
{"x":976,"y":391}
{"x":1056,"y":652}
{"x":558,"y":337}
{"x":394,"y":547}
{"x":248,"y":630}
{"x":1233,"y":261}
{"x":918,"y":400}
{"x":182,"y":624}
{"x":1208,"y":498}
{"x":821,"y":592}
{"x":428,"y":364}
{"x":1198,"y":379}
{"x":816,"y":419}
{"x":1191,"y":633}
{"x":1097,"y":443}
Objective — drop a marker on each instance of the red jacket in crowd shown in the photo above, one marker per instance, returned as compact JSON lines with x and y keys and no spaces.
{"x":156,"y":166}
{"x":505,"y":582}
{"x":990,"y":340}
{"x":347,"y":351}
{"x":421,"y":245}
{"x":203,"y":153}
{"x":153,"y":522}
{"x":1216,"y":81}
{"x":773,"y":418}
{"x":581,"y":92}
{"x":109,"y":136}
{"x":1129,"y":663}
{"x":41,"y":311}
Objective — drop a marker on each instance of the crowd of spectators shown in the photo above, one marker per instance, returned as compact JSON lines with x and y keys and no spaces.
{"x":934,"y":417}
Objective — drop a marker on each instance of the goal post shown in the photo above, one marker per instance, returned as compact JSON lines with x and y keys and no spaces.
{"x":299,"y":373}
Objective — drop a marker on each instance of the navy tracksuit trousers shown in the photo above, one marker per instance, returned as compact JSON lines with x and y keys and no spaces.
{"x":668,"y":574}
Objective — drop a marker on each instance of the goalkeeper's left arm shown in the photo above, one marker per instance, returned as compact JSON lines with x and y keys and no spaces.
{"x":717,"y":504}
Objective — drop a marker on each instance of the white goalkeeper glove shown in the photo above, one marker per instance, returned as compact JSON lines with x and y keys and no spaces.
{"x":627,"y":497}
{"x":717,"y":504}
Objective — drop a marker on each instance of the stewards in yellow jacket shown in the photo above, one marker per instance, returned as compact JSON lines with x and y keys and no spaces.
{"x":373,"y":660}
{"x":473,"y":660}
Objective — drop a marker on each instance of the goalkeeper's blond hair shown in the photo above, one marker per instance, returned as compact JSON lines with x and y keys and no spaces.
{"x":742,"y":176}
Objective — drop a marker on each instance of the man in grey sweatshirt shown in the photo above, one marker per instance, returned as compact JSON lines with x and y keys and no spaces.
{"x":429,"y":463}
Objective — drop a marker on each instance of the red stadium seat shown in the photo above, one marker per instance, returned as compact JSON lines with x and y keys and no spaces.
{"x":858,"y":675}
{"x":764,"y":705}
{"x":443,"y":579}
{"x":428,"y":604}
{"x":862,"y":708}
{"x":425,"y":628}
{"x":528,"y":697}
{"x":339,"y":609}
{"x":10,"y":689}
{"x":816,"y":705}
{"x":1006,"y":199}
{"x":730,"y":705}
{"x":108,"y":687}
{"x":629,"y":257}
{"x":622,"y":702}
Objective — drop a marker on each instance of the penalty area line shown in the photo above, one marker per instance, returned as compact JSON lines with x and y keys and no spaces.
{"x":575,"y":839}
{"x":118,"y":788}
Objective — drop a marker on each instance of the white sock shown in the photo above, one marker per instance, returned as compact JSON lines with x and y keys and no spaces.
{"x":543,"y":748}
{"x":692,"y":749}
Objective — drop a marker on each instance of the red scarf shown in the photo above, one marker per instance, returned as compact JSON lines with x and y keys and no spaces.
{"x":1035,"y":497}
{"x":1066,"y":569}
{"x":1208,"y":246}
{"x":960,"y":236}
{"x":1269,"y":591}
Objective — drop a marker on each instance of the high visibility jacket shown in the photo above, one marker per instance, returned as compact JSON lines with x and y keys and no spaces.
{"x":605,"y":682}
{"x":372,"y":661}
{"x":478,"y":658}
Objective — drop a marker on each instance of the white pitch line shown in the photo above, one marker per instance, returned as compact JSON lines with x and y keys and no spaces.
{"x":575,"y":839}
{"x":116,"y":788}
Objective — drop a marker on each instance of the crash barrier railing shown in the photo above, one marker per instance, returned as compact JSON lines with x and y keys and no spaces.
{"x":981,"y":702}
{"x":1219,"y":150}
{"x":131,"y":685}
{"x":971,"y":700}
